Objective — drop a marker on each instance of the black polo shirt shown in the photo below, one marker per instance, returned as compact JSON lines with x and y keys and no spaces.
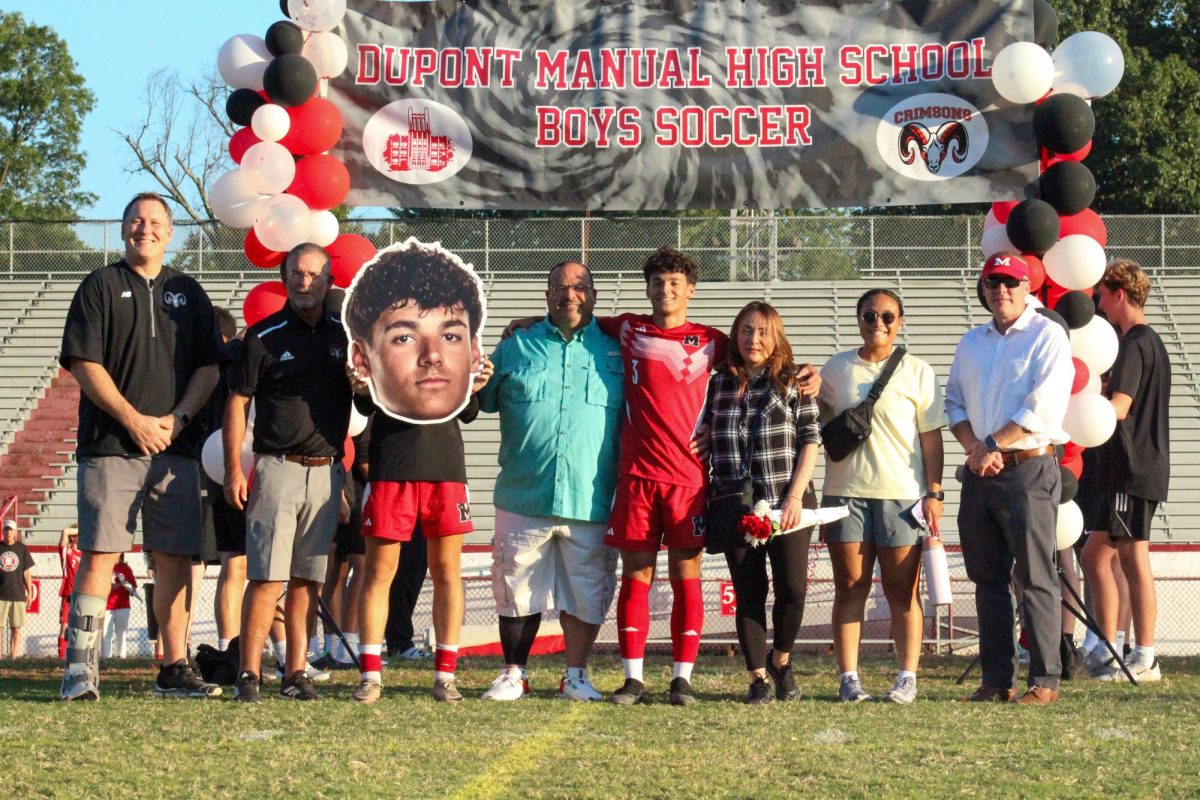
{"x":296,"y":374}
{"x":1137,"y":459}
{"x":150,"y":335}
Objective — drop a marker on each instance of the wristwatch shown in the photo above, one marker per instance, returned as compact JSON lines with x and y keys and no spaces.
{"x":940,"y":496}
{"x":183,"y":417}
{"x":989,"y":442}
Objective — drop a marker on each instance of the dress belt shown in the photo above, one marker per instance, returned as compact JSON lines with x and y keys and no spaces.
{"x":1017,"y":456}
{"x":307,"y":461}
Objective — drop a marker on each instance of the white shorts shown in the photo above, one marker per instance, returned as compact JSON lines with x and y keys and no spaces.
{"x":549,"y":563}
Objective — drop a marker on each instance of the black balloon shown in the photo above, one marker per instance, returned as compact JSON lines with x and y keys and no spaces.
{"x":1070,"y":485}
{"x":284,"y":37}
{"x":1054,"y":316}
{"x":241,"y":105}
{"x":1068,"y":186}
{"x":289,"y":80}
{"x":1076,"y":308}
{"x":283,"y":7}
{"x":1033,"y":226}
{"x":1045,"y":24}
{"x":1064,"y":123}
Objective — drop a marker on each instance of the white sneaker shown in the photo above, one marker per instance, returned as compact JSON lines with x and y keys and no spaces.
{"x":415,"y":653}
{"x":312,"y":673}
{"x":507,"y":687}
{"x":578,"y":689}
{"x":1142,"y":673}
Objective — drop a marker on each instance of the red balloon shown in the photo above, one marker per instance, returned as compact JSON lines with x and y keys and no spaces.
{"x":1086,"y":222}
{"x":316,"y":127}
{"x":1001,"y":210}
{"x":241,"y":141}
{"x":1082,"y":375}
{"x":1072,"y":450}
{"x":348,"y":457}
{"x":1051,"y":293}
{"x":1049,"y":159}
{"x":1075,"y":465}
{"x":348,"y":253}
{"x":258,"y":255}
{"x":321,"y":181}
{"x":1037,"y":271}
{"x":263,"y":300}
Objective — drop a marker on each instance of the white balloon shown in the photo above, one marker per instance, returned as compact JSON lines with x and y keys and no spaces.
{"x":283,"y":224}
{"x":1075,"y":262}
{"x":358,"y":422}
{"x":270,"y":122}
{"x":1089,"y":64}
{"x":327,"y":52}
{"x":269,"y":167}
{"x":234,"y":200}
{"x":1095,"y":344}
{"x":990,"y":221}
{"x":1023,"y":72}
{"x":242,"y":61}
{"x":1070,"y":525}
{"x":995,"y":240}
{"x":212,"y":457}
{"x":1093,"y":383}
{"x":317,"y":15}
{"x":322,"y":228}
{"x":1090,"y":419}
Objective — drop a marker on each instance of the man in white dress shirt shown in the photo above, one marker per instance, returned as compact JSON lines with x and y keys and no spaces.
{"x":1005,"y":399}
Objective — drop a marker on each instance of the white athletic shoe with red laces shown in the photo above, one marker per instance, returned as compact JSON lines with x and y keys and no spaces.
{"x":508,"y":686}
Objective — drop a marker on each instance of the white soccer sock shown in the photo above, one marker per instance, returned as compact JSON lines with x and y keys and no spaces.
{"x":314,"y":644}
{"x":1144,"y":655}
{"x":683,"y":669}
{"x":1091,"y":641}
{"x":352,"y":640}
{"x":222,"y":645}
{"x":281,"y":652}
{"x":1119,"y":643}
{"x":633,"y":668}
{"x":852,"y":675}
{"x":516,"y":671}
{"x":337,"y":650}
{"x":371,"y":650}
{"x":577,"y":673}
{"x":907,"y":673}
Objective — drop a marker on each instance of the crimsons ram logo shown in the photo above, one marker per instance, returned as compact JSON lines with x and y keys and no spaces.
{"x":932,"y":137}
{"x":417,"y":141}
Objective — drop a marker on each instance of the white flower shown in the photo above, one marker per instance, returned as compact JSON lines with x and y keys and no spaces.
{"x":762,"y":509}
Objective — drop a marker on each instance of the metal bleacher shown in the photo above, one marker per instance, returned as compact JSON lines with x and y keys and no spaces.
{"x":819,"y":317}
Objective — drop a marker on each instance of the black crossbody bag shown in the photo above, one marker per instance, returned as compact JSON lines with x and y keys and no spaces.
{"x":846,"y":432}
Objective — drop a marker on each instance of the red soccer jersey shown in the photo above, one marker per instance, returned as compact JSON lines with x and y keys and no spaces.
{"x":666,"y":382}
{"x":69,"y":556}
{"x":118,"y":595}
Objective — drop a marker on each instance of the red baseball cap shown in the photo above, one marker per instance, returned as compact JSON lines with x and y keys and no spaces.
{"x":1006,"y":264}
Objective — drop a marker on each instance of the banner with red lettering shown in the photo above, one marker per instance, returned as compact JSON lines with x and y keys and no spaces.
{"x":645,"y":105}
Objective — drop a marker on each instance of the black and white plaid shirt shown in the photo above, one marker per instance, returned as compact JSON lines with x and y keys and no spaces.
{"x":787,"y":423}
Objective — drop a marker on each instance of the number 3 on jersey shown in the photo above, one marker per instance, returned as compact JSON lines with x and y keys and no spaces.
{"x":633,"y":362}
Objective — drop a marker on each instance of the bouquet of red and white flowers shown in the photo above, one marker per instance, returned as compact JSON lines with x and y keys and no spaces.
{"x":760,"y":525}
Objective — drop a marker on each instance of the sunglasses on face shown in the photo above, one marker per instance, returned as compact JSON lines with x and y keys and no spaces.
{"x":996,"y":281}
{"x":869,"y":317}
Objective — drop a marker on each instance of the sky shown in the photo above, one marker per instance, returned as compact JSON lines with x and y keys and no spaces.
{"x":116,"y":46}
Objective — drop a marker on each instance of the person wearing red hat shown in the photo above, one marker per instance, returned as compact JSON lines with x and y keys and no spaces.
{"x":1005,"y":399}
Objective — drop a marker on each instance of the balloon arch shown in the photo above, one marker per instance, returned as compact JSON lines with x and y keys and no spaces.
{"x":285,"y":185}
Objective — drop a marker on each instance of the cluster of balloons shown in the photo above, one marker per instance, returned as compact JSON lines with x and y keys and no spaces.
{"x":1058,"y":234}
{"x":285,"y":183}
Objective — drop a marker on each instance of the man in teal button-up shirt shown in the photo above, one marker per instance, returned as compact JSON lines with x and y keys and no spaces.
{"x":558,"y":389}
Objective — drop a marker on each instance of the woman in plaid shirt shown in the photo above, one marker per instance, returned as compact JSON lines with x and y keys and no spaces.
{"x":763,"y":429}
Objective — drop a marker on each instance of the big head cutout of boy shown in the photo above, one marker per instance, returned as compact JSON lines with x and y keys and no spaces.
{"x":413,"y":316}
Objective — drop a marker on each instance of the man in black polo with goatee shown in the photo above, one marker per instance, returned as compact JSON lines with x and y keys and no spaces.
{"x":141,"y":340}
{"x":294,"y":366}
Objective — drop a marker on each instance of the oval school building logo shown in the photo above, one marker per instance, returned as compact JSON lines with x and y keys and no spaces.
{"x":417,"y":141}
{"x":932,"y":137}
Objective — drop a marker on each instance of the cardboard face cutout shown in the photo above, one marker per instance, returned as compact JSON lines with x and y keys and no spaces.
{"x":413,"y":316}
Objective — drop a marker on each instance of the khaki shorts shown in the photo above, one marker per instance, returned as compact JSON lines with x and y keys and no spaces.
{"x":291,"y":519}
{"x":547,"y":563}
{"x":164,"y":488}
{"x":12,"y":613}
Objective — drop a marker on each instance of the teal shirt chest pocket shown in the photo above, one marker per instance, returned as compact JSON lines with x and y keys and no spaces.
{"x":526,"y":383}
{"x":605,"y":383}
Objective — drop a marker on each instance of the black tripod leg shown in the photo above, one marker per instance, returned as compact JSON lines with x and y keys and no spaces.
{"x":967,"y":671}
{"x":327,"y":620}
{"x":1083,"y":615}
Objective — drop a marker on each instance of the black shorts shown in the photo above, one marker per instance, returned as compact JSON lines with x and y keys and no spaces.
{"x":225,"y":526}
{"x":348,"y":538}
{"x":1128,"y":516}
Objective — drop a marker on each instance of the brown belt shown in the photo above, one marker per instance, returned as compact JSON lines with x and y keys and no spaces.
{"x":1017,"y":456}
{"x":308,"y":461}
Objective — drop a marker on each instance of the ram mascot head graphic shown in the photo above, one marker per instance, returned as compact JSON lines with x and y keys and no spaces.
{"x":947,"y":141}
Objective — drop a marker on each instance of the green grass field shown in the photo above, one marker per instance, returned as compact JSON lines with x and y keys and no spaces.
{"x":1100,"y":739}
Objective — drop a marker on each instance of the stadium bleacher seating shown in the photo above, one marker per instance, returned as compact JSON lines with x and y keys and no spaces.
{"x":819,"y":317}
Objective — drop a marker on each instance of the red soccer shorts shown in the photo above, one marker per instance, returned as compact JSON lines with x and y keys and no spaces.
{"x":64,"y":610}
{"x":393,"y":508}
{"x":647,"y":514}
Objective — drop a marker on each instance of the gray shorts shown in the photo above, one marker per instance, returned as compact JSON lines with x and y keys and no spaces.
{"x":291,"y":518}
{"x":883,"y":523}
{"x":165,"y":488}
{"x":12,"y":613}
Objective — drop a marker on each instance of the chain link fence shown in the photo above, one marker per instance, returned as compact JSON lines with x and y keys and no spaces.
{"x":741,"y":245}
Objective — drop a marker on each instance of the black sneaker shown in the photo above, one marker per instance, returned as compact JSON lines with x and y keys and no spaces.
{"x":180,"y":680}
{"x":298,"y":686}
{"x":760,"y":693}
{"x":630,"y":693}
{"x":784,"y":680}
{"x":246,"y":688}
{"x":681,"y":693}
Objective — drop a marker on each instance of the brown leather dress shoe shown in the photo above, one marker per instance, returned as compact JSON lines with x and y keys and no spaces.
{"x":990,"y":694}
{"x":1038,"y":696}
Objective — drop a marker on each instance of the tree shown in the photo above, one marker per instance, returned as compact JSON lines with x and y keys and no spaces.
{"x":181,"y":139}
{"x":1146,"y":151}
{"x":43,"y":101}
